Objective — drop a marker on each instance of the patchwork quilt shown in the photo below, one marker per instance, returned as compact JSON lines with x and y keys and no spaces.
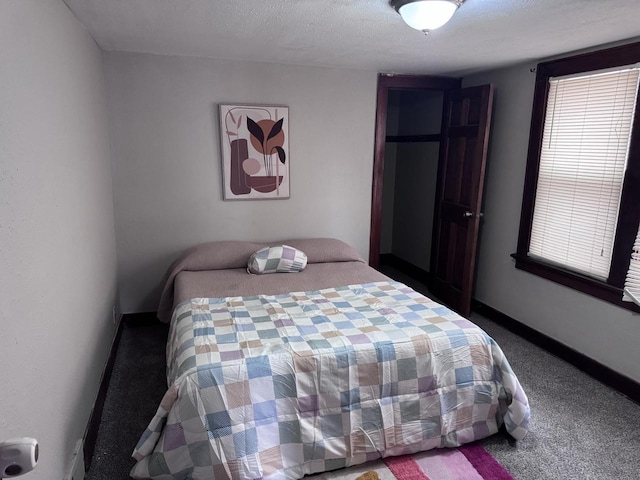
{"x":280,"y":386}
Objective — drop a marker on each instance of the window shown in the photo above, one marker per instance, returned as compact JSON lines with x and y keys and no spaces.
{"x":632,"y":284}
{"x":581,"y":204}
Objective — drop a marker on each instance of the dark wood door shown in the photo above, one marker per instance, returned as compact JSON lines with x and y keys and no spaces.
{"x":463,"y":152}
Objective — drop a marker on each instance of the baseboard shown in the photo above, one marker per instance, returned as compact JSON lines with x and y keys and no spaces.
{"x":91,"y":432}
{"x":76,"y":469}
{"x":625,"y":385}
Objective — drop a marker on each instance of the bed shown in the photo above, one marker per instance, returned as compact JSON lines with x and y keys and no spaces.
{"x":283,"y":375}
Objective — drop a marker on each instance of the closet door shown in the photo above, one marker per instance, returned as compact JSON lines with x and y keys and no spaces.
{"x":463,"y":152}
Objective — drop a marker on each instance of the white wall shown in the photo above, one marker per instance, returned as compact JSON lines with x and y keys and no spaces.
{"x":602,"y":331}
{"x":57,"y":241}
{"x":166,"y":158}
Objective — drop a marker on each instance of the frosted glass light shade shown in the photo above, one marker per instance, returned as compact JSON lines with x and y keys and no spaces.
{"x":428,"y":15}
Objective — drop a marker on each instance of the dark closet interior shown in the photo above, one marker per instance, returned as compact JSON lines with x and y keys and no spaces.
{"x":414,"y":119}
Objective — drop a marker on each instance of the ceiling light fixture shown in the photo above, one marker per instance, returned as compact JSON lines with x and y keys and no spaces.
{"x":426,"y":15}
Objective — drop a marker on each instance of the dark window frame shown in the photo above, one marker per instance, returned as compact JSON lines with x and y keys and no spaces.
{"x":629,"y":214}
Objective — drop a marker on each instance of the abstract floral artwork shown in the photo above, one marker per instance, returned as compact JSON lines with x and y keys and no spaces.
{"x":255,"y":152}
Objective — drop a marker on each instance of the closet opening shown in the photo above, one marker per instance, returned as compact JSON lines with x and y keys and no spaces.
{"x":428,"y":178}
{"x":412,"y":147}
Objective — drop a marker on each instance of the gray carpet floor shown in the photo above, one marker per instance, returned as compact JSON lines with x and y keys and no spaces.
{"x":580,"y":429}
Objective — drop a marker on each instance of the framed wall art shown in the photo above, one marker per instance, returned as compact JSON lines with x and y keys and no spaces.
{"x":255,"y":152}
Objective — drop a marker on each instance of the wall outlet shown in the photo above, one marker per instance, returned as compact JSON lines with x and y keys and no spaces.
{"x":76,"y":465}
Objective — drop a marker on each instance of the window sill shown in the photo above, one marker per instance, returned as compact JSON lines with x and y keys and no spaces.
{"x":574,"y":280}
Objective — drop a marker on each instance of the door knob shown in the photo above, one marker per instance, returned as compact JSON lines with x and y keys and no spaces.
{"x":471,"y":214}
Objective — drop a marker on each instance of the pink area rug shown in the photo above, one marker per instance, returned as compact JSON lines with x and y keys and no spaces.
{"x":469,"y":462}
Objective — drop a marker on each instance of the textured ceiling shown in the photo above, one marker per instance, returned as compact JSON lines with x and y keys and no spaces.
{"x":361,"y":34}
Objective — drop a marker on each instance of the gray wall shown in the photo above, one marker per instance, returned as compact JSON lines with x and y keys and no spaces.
{"x":166,"y":157}
{"x":604,"y":332}
{"x":57,"y":242}
{"x":388,"y":198}
{"x":416,"y":180}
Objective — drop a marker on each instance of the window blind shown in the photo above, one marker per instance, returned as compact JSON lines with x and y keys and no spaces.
{"x":584,"y":151}
{"x":632,"y":283}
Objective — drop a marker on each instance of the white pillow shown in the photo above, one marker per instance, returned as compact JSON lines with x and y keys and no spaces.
{"x":277,"y":259}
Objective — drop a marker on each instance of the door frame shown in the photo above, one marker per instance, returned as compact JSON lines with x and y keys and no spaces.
{"x":386,"y":82}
